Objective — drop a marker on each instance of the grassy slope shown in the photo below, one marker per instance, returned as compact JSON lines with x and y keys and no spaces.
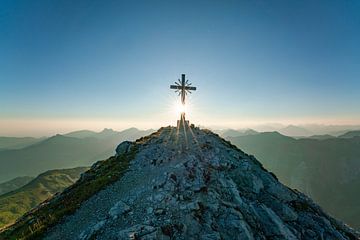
{"x":14,"y":184}
{"x":16,"y":203}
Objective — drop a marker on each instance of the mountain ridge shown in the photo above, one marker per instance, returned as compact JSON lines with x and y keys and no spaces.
{"x":350,"y":134}
{"x":180,"y":185}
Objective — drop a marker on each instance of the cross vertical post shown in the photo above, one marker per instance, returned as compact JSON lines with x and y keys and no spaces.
{"x":182,"y":89}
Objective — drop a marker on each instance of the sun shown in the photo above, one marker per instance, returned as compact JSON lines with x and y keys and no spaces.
{"x":180,"y":108}
{"x":175,"y":109}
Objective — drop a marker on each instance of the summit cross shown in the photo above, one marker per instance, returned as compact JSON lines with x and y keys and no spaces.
{"x":183,"y":87}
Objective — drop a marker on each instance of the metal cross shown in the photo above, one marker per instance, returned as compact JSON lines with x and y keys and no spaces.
{"x":183,"y":88}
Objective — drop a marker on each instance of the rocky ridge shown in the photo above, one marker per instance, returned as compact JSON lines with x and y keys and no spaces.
{"x":194,"y":185}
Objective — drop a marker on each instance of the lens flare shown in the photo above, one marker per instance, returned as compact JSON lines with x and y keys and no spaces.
{"x":180,"y":108}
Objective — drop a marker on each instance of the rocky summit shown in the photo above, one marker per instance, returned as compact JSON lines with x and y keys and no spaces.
{"x":180,"y":184}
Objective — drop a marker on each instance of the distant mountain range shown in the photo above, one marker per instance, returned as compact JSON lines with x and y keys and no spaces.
{"x":15,"y":203}
{"x":292,"y":130}
{"x":235,"y":133}
{"x":328,"y":170}
{"x":303,"y":130}
{"x":104,"y":134}
{"x":81,"y":148}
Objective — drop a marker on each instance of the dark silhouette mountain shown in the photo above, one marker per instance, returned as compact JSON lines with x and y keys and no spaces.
{"x":178,"y":185}
{"x":14,"y":184}
{"x":16,"y":203}
{"x":327,"y":170}
{"x":62,"y":152}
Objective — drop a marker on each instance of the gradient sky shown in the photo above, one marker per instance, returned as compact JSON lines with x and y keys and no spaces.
{"x":92,"y":64}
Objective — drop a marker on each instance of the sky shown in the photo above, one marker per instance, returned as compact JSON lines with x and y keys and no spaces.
{"x":67,"y":65}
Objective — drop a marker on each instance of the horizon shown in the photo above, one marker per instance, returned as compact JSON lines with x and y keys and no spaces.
{"x":50,"y":127}
{"x":313,"y":129}
{"x":95,"y":65}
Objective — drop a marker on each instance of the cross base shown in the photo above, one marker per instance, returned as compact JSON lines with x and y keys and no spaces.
{"x":182,"y":123}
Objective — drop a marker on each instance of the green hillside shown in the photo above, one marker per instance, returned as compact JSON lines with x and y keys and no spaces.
{"x":14,"y":184}
{"x":327,"y":170}
{"x":16,"y":203}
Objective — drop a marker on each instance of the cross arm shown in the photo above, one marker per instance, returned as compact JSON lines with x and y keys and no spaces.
{"x":190,"y":88}
{"x":175,"y":87}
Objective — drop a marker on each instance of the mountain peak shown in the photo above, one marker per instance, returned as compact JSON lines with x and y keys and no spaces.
{"x":107,"y":130}
{"x":180,"y":185}
{"x":130,"y":129}
{"x":292,"y":130}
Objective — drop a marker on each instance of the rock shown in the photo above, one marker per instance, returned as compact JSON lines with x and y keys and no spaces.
{"x":90,"y":232}
{"x":235,"y":225}
{"x":272,"y":224}
{"x":193,"y":206}
{"x":287,"y":213}
{"x":158,"y":197}
{"x":168,"y":230}
{"x":123,"y":148}
{"x":159,"y":211}
{"x":118,"y":209}
{"x":138,"y":231}
{"x":211,"y":236}
{"x":149,"y":210}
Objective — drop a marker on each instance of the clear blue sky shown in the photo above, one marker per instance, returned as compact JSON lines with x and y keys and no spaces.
{"x":113,"y":61}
